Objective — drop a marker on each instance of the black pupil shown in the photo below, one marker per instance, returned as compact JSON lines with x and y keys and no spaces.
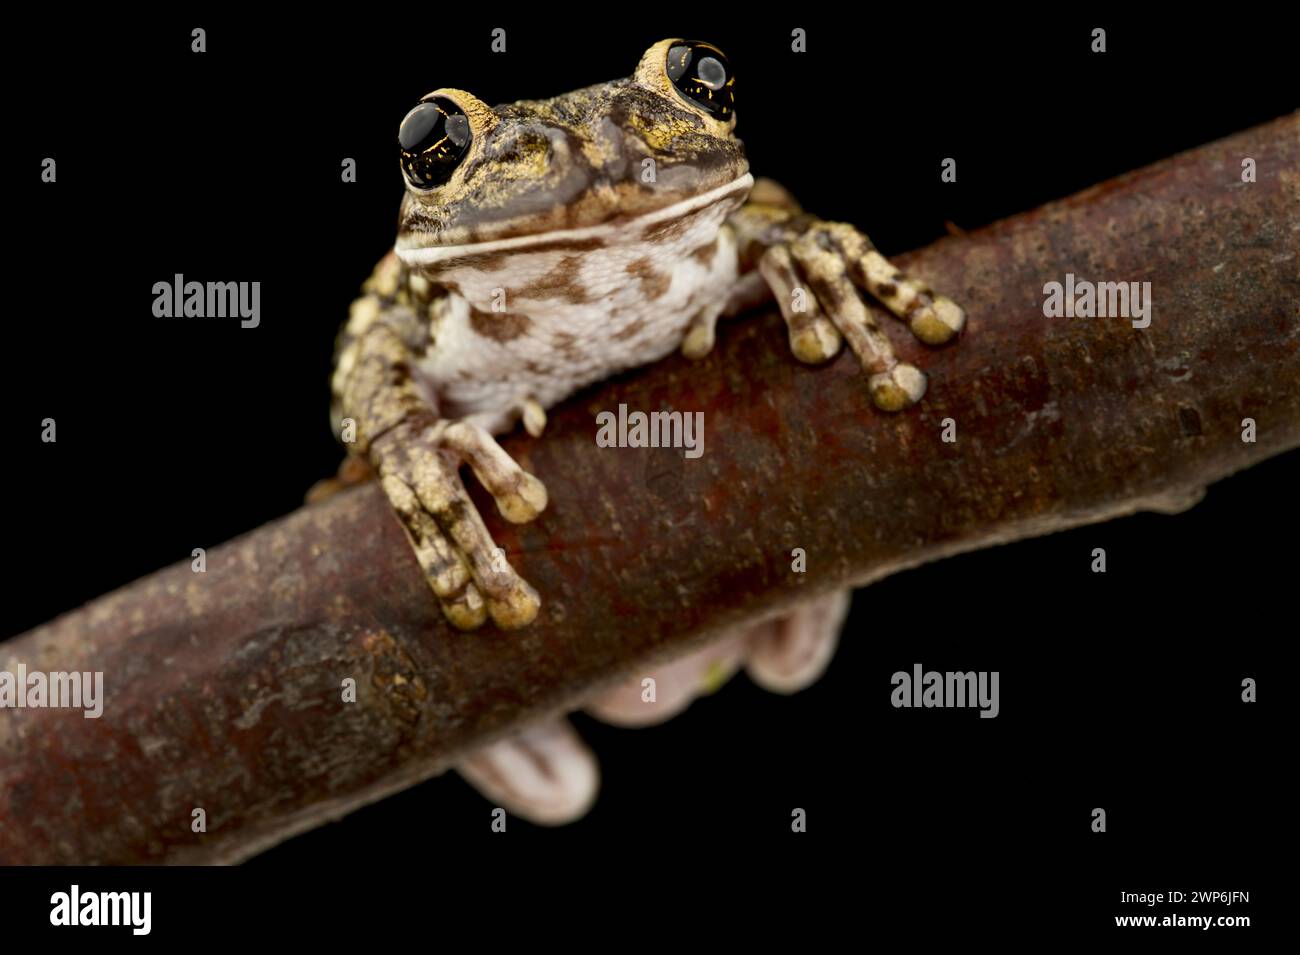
{"x":433,"y":138}
{"x":701,"y":74}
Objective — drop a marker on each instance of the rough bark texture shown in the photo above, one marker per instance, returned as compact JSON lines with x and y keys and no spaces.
{"x":224,"y":689}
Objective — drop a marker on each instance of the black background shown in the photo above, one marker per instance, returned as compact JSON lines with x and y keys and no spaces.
{"x":1119,"y":690}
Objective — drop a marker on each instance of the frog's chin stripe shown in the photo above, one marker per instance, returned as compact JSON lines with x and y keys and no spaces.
{"x":633,"y":226}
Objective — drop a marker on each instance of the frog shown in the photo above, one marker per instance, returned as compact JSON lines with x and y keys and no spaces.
{"x":544,"y":245}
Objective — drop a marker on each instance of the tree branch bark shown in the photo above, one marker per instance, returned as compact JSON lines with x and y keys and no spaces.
{"x":223,"y":689}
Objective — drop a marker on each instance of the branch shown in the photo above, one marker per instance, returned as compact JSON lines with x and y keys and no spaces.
{"x":224,"y":689}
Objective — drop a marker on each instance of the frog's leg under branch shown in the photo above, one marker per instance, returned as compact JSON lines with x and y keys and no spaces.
{"x":814,"y":269}
{"x":418,"y":456}
{"x":547,"y":774}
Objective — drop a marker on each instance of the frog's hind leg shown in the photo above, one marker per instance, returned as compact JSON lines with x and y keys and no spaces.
{"x":545,"y":773}
{"x":783,"y":655}
{"x":792,"y":651}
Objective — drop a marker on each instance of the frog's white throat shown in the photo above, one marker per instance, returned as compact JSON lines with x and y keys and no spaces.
{"x":729,"y":194}
{"x":539,"y":317}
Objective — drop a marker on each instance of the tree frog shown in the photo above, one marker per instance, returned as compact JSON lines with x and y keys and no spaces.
{"x":546,"y":244}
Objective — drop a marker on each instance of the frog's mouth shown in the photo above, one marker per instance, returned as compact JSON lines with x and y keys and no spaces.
{"x":663,"y":224}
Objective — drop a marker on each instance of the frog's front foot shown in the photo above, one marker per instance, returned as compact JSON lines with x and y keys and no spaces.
{"x":833,"y":260}
{"x":419,"y":471}
{"x":815,"y":269}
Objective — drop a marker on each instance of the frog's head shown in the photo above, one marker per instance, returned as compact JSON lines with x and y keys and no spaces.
{"x":624,"y":149}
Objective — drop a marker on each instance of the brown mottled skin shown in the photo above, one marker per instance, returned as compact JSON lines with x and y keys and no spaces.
{"x":575,"y":237}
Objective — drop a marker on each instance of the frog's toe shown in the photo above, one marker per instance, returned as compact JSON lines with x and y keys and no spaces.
{"x":534,"y":416}
{"x":514,"y":605}
{"x":702,"y":332}
{"x":524,"y":501}
{"x":813,"y":337}
{"x":519,"y":495}
{"x":465,"y":610}
{"x":899,"y":388}
{"x":938,"y":322}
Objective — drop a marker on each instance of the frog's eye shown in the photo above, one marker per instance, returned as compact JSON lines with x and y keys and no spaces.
{"x":702,"y":74}
{"x":434,"y":138}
